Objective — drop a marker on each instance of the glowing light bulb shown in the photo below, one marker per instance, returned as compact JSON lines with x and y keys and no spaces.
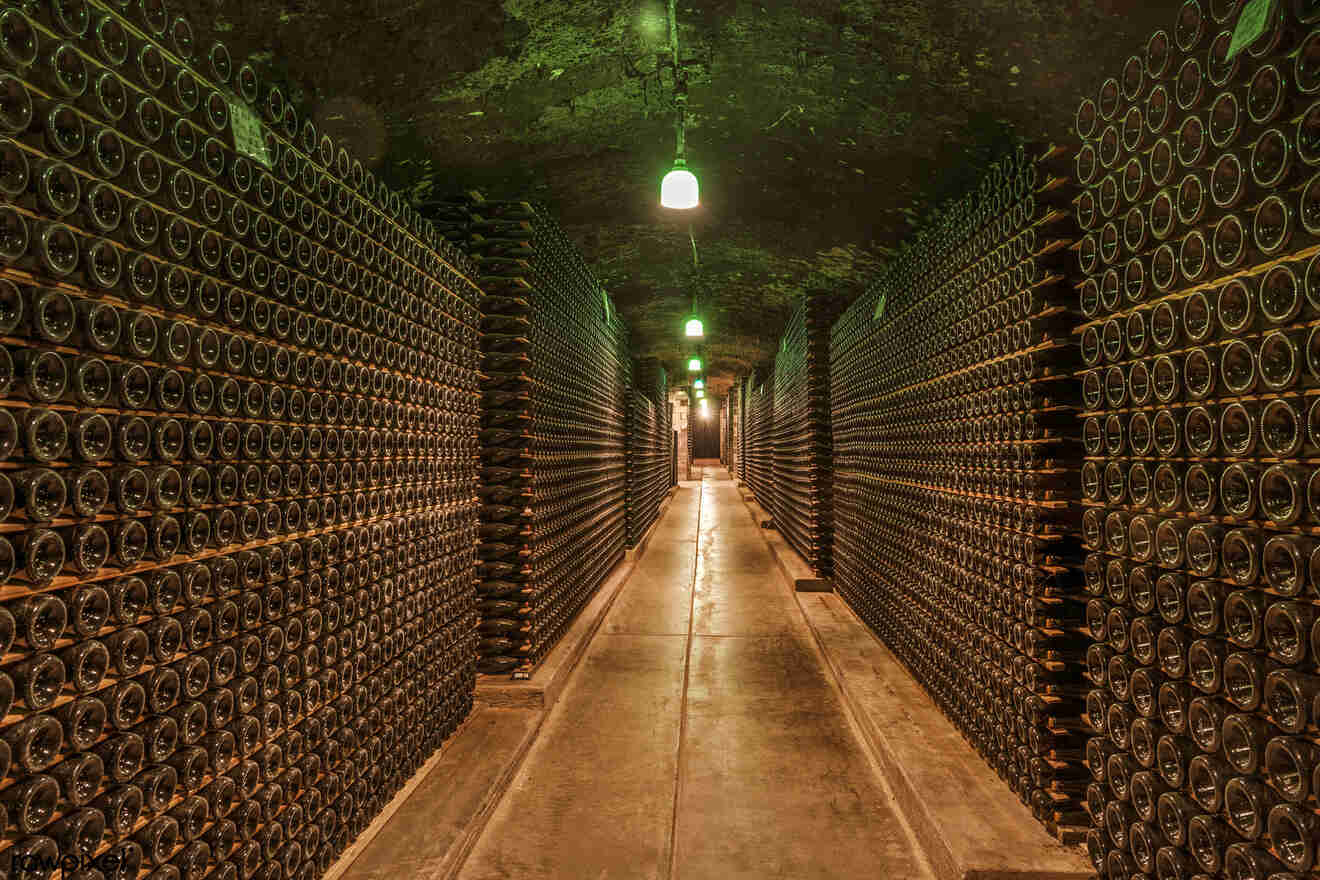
{"x":679,"y":190}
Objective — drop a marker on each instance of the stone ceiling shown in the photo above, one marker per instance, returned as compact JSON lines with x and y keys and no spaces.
{"x":822,"y":130}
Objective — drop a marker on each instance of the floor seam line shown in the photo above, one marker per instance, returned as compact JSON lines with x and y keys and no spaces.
{"x":850,"y":715}
{"x":671,"y":863}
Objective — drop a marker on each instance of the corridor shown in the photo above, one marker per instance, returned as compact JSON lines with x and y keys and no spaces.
{"x":700,"y":736}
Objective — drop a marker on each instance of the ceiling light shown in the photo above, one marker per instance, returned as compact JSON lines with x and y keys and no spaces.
{"x":679,"y":190}
{"x":701,"y":395}
{"x":698,"y":384}
{"x":694,"y":364}
{"x":694,"y":328}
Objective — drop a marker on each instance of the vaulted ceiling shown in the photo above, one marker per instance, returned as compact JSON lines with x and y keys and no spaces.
{"x":822,"y":130}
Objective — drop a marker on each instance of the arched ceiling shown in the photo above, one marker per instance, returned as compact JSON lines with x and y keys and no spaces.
{"x":821,"y":129}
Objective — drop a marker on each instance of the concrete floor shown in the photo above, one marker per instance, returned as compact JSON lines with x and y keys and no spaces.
{"x":701,"y":736}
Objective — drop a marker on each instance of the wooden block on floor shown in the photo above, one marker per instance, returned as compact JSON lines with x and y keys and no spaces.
{"x":794,"y":568}
{"x":968,"y":821}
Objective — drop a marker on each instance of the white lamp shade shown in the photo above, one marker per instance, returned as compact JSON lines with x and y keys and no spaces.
{"x":694,"y":328}
{"x":679,"y":189}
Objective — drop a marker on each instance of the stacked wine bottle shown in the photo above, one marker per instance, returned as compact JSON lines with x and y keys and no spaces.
{"x":955,"y":453}
{"x":726,"y":432}
{"x":724,"y":429}
{"x":1201,"y":294}
{"x":691,"y":448}
{"x":741,"y":390}
{"x":673,"y":446}
{"x":800,"y":436}
{"x":238,"y":423}
{"x":554,"y":427}
{"x":760,"y":395}
{"x":648,"y":447}
{"x":733,"y":452}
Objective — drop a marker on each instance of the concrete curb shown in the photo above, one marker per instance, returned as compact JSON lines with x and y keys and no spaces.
{"x":358,"y":846}
{"x":476,"y":826}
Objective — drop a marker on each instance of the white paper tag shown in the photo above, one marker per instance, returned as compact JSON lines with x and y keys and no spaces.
{"x":880,"y":307}
{"x":249,"y":137}
{"x":1252,"y":24}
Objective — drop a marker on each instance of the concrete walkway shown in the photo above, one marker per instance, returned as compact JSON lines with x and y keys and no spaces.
{"x":701,"y":735}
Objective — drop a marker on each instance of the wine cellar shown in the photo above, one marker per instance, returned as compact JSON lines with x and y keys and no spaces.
{"x":388,"y":489}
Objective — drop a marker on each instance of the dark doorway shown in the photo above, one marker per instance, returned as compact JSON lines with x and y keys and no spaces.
{"x":705,"y":433}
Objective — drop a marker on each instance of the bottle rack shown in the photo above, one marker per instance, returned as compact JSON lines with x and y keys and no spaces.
{"x":743,"y":387}
{"x":759,"y":443}
{"x":555,"y":404}
{"x":238,"y":416}
{"x":732,"y":405}
{"x":649,"y":438}
{"x":724,"y":430}
{"x":1199,"y":299}
{"x":800,"y":436}
{"x":955,"y":451}
{"x":691,"y":438}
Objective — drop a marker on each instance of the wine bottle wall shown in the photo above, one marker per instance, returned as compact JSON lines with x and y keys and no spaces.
{"x":673,"y":447}
{"x":744,"y":392}
{"x":800,"y":436}
{"x":652,"y":380}
{"x":691,"y":437}
{"x":734,"y":404}
{"x":238,"y":424}
{"x":1201,"y":431}
{"x":956,"y":450}
{"x":554,"y":427}
{"x":649,"y":436}
{"x":760,"y":444}
{"x":724,"y":430}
